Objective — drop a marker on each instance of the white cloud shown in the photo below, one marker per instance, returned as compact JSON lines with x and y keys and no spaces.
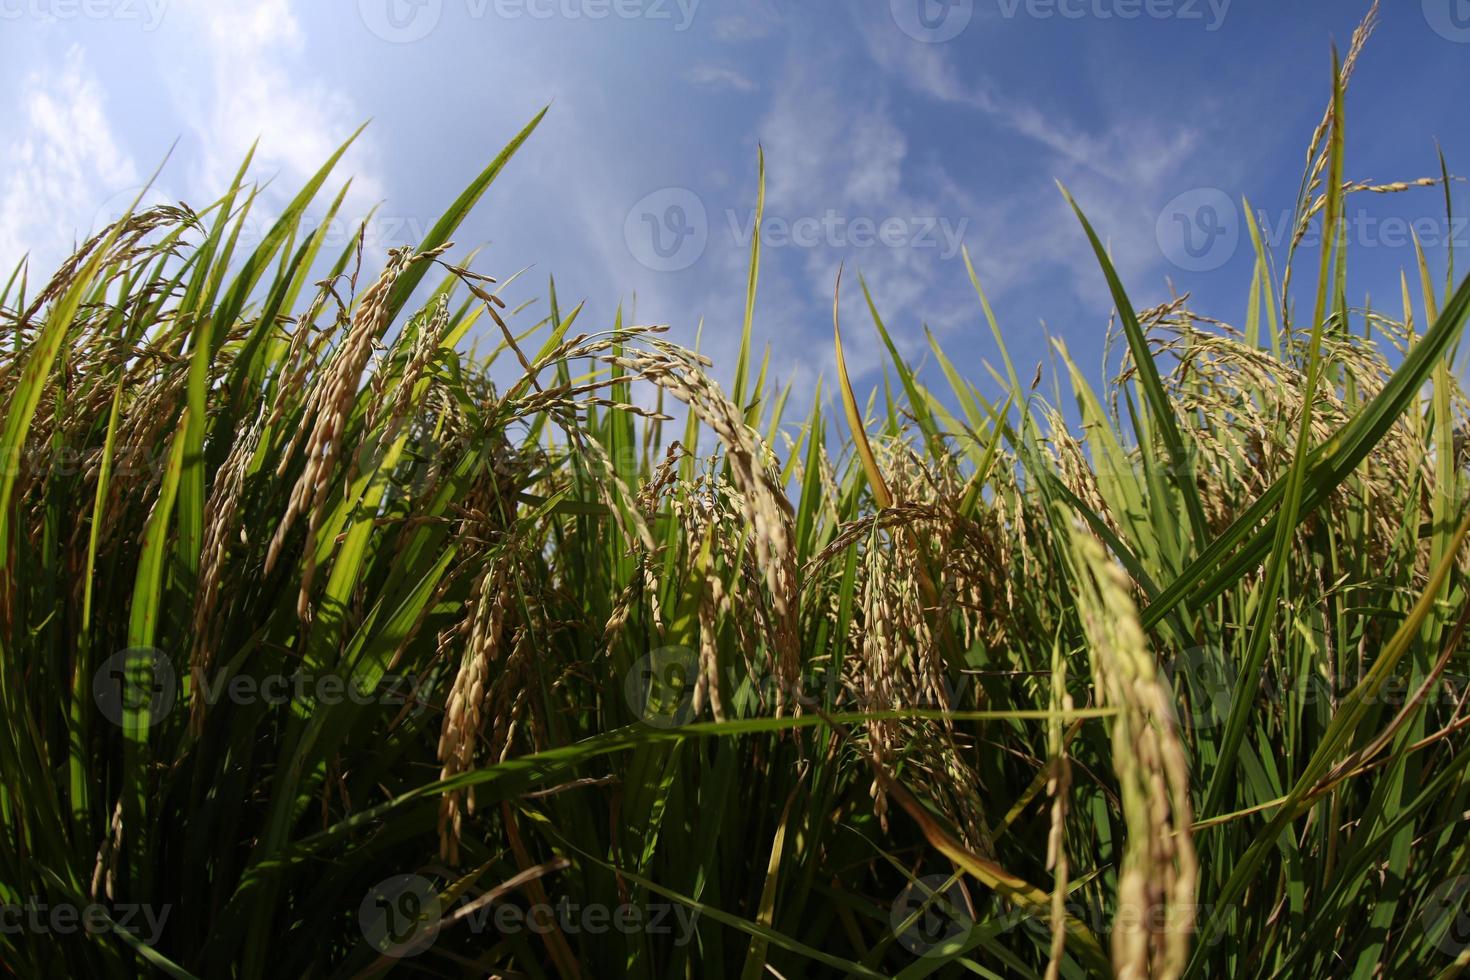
{"x":260,"y":86}
{"x":1122,"y":152}
{"x":834,"y":147}
{"x":64,"y":162}
{"x":720,"y":78}
{"x":1113,"y":167}
{"x":751,"y":26}
{"x":237,"y":72}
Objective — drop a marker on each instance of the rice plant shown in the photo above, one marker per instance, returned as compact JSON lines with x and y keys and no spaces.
{"x":323,"y":654}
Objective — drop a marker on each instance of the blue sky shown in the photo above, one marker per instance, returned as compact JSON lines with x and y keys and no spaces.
{"x":893,"y":132}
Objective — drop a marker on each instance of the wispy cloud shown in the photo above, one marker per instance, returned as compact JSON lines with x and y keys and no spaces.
{"x":261,"y":86}
{"x":720,"y":78}
{"x":836,"y":150}
{"x":749,"y":26}
{"x":65,"y":152}
{"x":1120,"y":152}
{"x":1115,"y":167}
{"x":243,"y":72}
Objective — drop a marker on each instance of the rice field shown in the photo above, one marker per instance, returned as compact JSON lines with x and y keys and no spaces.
{"x":323,"y":654}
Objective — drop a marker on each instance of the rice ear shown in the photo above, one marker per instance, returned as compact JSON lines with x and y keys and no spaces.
{"x":1158,"y":875}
